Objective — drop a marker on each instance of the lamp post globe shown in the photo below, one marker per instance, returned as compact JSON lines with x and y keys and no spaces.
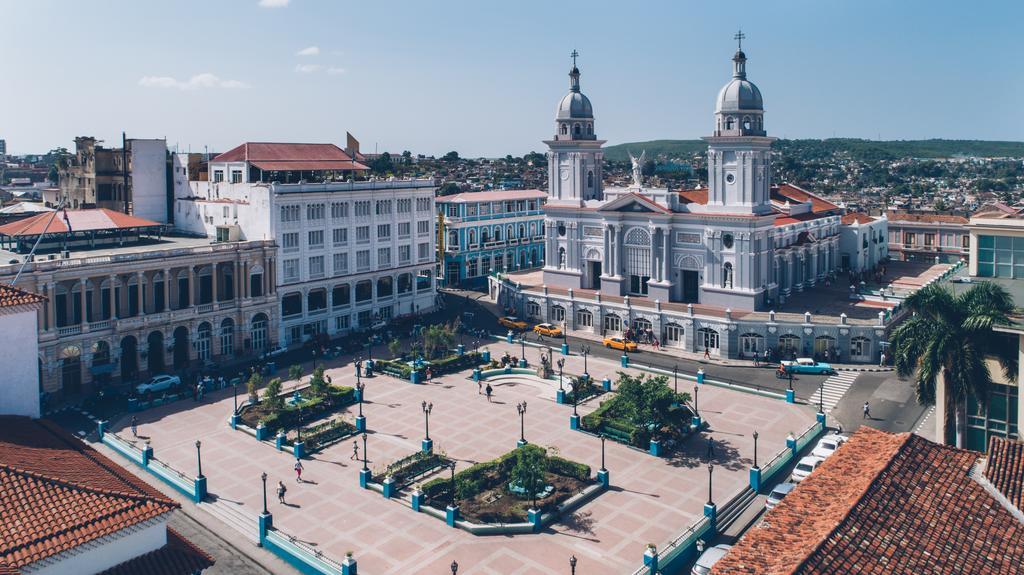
{"x":455,"y":567}
{"x":199,"y":457}
{"x":755,"y":449}
{"x":572,"y":564}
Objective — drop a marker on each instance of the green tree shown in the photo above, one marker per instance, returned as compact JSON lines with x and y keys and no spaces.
{"x":253,"y":386}
{"x":528,"y":472}
{"x":317,"y":382}
{"x":53,"y":175}
{"x":295,"y":372}
{"x":947,"y":340}
{"x":395,"y":347}
{"x":437,"y":339}
{"x":647,"y":400}
{"x":272,"y":394}
{"x":449,"y":189}
{"x":452,"y":156}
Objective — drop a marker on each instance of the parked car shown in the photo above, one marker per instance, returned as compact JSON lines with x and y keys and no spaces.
{"x":805,"y":467}
{"x":548,"y":329}
{"x":274,"y":352}
{"x":781,"y":490}
{"x":807,"y":365}
{"x":619,"y":343}
{"x":512,"y":322}
{"x":158,"y":383}
{"x":708,"y":559}
{"x":828,"y":445}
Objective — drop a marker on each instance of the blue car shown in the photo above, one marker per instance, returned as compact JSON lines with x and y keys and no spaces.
{"x":807,"y":365}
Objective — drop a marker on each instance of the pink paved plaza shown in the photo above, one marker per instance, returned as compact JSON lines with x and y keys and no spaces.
{"x":651,"y":499}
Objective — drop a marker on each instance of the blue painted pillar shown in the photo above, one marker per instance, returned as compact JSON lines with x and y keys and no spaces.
{"x":655,"y":448}
{"x":696,"y":422}
{"x":427,"y":445}
{"x":199,"y":486}
{"x":790,"y":396}
{"x":560,"y":396}
{"x":476,"y":374}
{"x":299,"y":449}
{"x":791,"y":444}
{"x":521,"y":443}
{"x":755,"y":479}
{"x":508,"y":337}
{"x":574,"y":422}
{"x":451,"y":515}
{"x":486,"y":356}
{"x":233,"y":421}
{"x":700,"y":375}
{"x":261,"y":432}
{"x":266,"y":522}
{"x":565,"y":349}
{"x":711,"y":512}
{"x":357,"y":395}
{"x":101,"y":428}
{"x":821,"y":418}
{"x":417,"y":500}
{"x":147,"y":454}
{"x":651,"y":560}
{"x":279,"y":440}
{"x":364,"y":477}
{"x":389,"y":488}
{"x":348,"y":566}
{"x":606,"y":384}
{"x":522,"y":362}
{"x":361,"y":423}
{"x":602,"y":477}
{"x":461,"y":350}
{"x":624,"y":360}
{"x":534,"y":517}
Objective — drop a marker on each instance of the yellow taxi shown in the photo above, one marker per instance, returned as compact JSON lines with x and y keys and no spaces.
{"x":619,"y":343}
{"x":512,"y":322}
{"x":547,"y":329}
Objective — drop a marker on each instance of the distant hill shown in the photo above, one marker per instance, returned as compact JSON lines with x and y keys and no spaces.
{"x":858,"y":149}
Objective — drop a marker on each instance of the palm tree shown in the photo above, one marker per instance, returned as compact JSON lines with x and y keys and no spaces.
{"x":951,"y":335}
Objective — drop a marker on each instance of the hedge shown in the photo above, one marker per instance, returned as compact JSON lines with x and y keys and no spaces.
{"x":312,"y":408}
{"x":450,"y":364}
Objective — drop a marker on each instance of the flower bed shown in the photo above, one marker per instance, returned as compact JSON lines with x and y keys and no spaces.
{"x":313,"y":408}
{"x":409,"y":468}
{"x":642,"y":409}
{"x":483,"y":489}
{"x":319,"y":436}
{"x":451,"y":364}
{"x":587,"y":391}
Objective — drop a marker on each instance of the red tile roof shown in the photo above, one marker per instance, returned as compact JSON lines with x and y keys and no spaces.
{"x":884,"y":504}
{"x":12,"y":296}
{"x":283,"y":156}
{"x":789,"y":192}
{"x":178,"y":557}
{"x":492,"y":195}
{"x":81,"y":221}
{"x":697,"y":196}
{"x":858,"y":217}
{"x":1005,"y":469}
{"x":57,"y":493}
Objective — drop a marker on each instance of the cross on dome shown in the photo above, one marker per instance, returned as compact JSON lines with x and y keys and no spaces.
{"x":739,"y":39}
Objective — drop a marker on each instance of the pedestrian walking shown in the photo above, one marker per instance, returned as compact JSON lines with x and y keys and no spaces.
{"x":881,"y":360}
{"x":755,"y":359}
{"x":298,"y":470}
{"x":135,"y":426}
{"x":767,"y":356}
{"x":707,"y":353}
{"x":867,"y":411}
{"x":281,"y":490}
{"x":488,"y":391}
{"x":430,"y":375}
{"x":359,"y":367}
{"x":479,"y":387}
{"x":355,"y":451}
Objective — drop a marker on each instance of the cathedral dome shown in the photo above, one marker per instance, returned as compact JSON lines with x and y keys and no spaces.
{"x":575,"y":104}
{"x":739,"y":94}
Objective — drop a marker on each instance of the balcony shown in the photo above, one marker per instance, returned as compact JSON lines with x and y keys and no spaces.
{"x":204,"y":308}
{"x":494,"y":244}
{"x":100,"y":325}
{"x":69,"y":330}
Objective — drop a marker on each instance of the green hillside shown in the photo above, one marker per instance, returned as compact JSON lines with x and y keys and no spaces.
{"x":857,"y":149}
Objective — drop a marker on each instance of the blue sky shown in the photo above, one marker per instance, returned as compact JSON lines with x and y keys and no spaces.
{"x":484,"y":77}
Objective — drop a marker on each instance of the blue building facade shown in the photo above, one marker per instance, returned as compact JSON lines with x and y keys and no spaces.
{"x":481,"y":232}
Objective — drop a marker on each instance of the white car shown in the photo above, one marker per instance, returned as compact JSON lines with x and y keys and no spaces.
{"x":805,"y":467}
{"x":275,"y":352}
{"x":708,"y":559}
{"x":781,"y":490}
{"x":158,"y":383}
{"x":828,"y":445}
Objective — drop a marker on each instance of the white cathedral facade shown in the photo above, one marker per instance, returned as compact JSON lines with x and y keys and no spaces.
{"x":742,"y":243}
{"x":696,"y":266}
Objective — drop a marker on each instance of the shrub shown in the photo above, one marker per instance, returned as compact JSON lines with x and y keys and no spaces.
{"x":253,"y":386}
{"x":295,"y":372}
{"x":317,"y":383}
{"x":272,"y":394}
{"x":395,"y":347}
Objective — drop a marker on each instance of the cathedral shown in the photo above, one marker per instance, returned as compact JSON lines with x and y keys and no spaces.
{"x":742,"y":243}
{"x":703,"y":270}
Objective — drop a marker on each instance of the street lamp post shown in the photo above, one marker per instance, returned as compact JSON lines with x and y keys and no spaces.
{"x":602,"y":453}
{"x":585,"y":350}
{"x":576,"y":393}
{"x":427,"y":408}
{"x":561,"y":363}
{"x":821,"y":398}
{"x":675,"y":376}
{"x":755,"y":450}
{"x":521,"y":408}
{"x":264,"y":478}
{"x":234,"y":391}
{"x":360,"y":386}
{"x":199,"y":457}
{"x":453,"y":484}
{"x":696,"y":412}
{"x":711,"y":471}
{"x":364,"y":452}
{"x":298,"y":429}
{"x":522,"y":345}
{"x":572,"y":564}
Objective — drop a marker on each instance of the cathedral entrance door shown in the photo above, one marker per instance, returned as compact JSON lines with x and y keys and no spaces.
{"x":690,"y":282}
{"x":595,"y":275}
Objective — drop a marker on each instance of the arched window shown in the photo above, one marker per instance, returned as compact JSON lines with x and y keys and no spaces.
{"x":472,"y":237}
{"x":674,"y":334}
{"x":576,"y":129}
{"x":729,"y":123}
{"x":584,"y":319}
{"x":227,"y":337}
{"x":746,"y":122}
{"x":727,"y":275}
{"x":860,"y":348}
{"x":484,"y":235}
{"x":751,"y":344}
{"x":497,"y":234}
{"x":258,"y":332}
{"x":205,"y":332}
{"x":707,"y":338}
{"x":612,"y":323}
{"x":590,"y":129}
{"x":564,"y":129}
{"x":789,"y":344}
{"x":522,"y":230}
{"x":453,"y":238}
{"x":590,"y":179}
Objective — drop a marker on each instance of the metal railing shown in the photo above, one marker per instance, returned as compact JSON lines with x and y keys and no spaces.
{"x":301,"y":551}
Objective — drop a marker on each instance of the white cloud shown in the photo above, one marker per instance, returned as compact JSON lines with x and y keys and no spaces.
{"x":197,"y":82}
{"x":310,"y":51}
{"x":335,"y":71}
{"x":308,"y":68}
{"x":273,"y":3}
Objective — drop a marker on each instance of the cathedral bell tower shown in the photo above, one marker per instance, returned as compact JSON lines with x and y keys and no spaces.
{"x":739,"y":152}
{"x":574,"y":155}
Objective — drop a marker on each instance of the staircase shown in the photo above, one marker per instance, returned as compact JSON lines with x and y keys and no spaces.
{"x":234,"y":516}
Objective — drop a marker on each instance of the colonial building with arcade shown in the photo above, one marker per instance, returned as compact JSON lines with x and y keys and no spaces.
{"x":703,"y":268}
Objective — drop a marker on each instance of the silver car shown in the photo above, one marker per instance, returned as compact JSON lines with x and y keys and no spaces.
{"x":781,"y":490}
{"x":708,"y":559}
{"x":158,"y":383}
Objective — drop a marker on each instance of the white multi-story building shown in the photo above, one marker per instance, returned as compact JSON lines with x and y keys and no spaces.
{"x":349,"y":254}
{"x":863,"y":242}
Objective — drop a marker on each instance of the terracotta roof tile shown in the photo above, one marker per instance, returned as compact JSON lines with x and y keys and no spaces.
{"x":897,"y":216}
{"x":57,"y":493}
{"x":178,"y":557}
{"x":492,"y":195}
{"x":81,"y":221}
{"x":884,"y":504}
{"x":697,"y":196}
{"x":11,"y":296}
{"x":789,"y":192}
{"x":284,"y":152}
{"x":1005,"y":469}
{"x":858,"y":217}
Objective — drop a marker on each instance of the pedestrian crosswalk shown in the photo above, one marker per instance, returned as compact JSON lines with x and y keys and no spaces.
{"x":833,"y":389}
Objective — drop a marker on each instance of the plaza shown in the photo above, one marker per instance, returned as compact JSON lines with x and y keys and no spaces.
{"x":651,"y":499}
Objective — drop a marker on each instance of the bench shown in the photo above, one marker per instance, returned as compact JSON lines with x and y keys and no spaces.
{"x":616,"y":434}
